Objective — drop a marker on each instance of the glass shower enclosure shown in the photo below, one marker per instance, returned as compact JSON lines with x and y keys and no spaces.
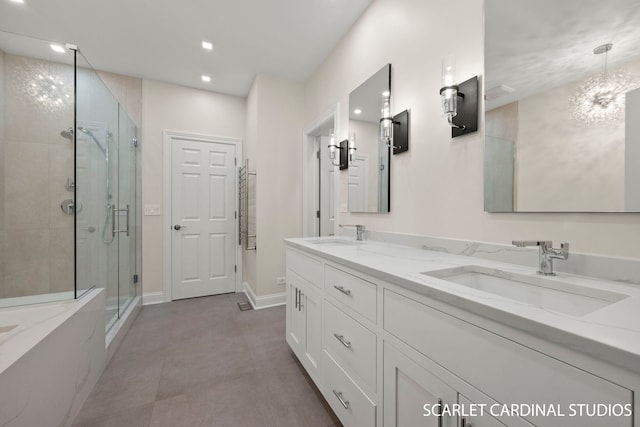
{"x":68,"y":177}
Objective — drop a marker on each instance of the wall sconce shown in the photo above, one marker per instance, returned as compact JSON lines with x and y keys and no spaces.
{"x":334,"y":149}
{"x":459,"y":101}
{"x":386,"y":121}
{"x":352,"y":147}
{"x":393,"y":129}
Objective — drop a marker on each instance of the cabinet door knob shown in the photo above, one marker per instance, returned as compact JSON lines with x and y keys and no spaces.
{"x":344,"y":403}
{"x":344,"y":342}
{"x":342,"y":289}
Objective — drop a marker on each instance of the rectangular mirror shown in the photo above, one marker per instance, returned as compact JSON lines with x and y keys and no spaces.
{"x":562,"y":106}
{"x":369,"y":170}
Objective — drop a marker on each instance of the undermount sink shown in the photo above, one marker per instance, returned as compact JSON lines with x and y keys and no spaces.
{"x":539,"y":291}
{"x":334,"y":242}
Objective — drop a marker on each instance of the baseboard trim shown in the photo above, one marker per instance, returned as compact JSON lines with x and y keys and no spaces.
{"x":152,"y":298}
{"x":265,"y":301}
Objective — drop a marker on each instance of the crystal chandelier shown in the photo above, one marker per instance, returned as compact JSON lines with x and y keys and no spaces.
{"x":601,"y":98}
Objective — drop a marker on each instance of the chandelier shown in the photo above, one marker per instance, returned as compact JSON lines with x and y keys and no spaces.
{"x":601,"y":98}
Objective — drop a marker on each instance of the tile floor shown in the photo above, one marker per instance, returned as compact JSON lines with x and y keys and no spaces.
{"x":203,"y":362}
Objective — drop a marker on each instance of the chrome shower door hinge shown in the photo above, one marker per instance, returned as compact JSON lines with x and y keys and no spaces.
{"x":134,"y":141}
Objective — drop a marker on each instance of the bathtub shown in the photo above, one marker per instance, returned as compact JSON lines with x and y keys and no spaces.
{"x":51,"y":356}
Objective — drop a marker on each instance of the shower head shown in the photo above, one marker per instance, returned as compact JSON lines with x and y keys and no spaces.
{"x":67,"y":134}
{"x":86,"y":131}
{"x":92,"y":136}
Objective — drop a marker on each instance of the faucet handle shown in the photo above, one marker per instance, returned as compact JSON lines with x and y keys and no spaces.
{"x":564,"y":250}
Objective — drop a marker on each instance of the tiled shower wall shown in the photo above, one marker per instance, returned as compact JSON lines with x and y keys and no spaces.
{"x":36,"y":237}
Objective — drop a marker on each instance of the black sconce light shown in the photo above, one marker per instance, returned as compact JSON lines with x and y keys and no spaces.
{"x":333,"y":152}
{"x":459,"y":101}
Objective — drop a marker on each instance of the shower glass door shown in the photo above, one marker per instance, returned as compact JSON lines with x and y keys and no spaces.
{"x":105,"y":193}
{"x":126,"y":221}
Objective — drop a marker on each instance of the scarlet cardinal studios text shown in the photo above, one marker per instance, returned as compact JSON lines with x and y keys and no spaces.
{"x":529,"y":410}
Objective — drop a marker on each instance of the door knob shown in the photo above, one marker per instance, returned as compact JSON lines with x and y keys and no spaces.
{"x":177,"y":227}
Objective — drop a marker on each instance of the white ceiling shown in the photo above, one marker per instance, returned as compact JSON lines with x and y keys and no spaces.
{"x":161,"y":39}
{"x":535,"y":45}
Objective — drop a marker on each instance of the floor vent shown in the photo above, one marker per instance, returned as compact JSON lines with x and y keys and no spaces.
{"x":244,"y":306}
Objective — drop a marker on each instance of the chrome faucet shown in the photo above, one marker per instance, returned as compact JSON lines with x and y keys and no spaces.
{"x":546,"y":254}
{"x":360,"y":229}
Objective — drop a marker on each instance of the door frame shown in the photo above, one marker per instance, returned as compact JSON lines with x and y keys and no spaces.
{"x":310,"y":171}
{"x":167,"y":138}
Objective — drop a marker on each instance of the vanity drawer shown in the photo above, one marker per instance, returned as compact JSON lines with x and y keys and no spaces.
{"x":352,"y":345}
{"x":305,"y":266}
{"x":350,"y":404}
{"x":503,"y":369}
{"x":352,"y":291}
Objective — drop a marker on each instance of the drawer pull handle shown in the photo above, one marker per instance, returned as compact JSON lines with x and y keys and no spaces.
{"x":344,"y":403}
{"x":344,"y":342}
{"x":343,"y":290}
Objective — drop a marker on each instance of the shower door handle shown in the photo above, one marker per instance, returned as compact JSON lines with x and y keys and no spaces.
{"x":114,"y":212}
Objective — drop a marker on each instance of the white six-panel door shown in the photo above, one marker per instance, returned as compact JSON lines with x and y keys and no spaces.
{"x":357,"y":181}
{"x":203,"y":182}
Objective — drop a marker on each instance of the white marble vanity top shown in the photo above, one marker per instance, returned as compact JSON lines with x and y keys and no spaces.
{"x":611,"y":333}
{"x":21,"y":328}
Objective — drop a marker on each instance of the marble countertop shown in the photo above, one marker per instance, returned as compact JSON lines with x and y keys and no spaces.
{"x":23,"y":327}
{"x":611,"y":333}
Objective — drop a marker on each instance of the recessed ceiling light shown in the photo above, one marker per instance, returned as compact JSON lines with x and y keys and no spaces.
{"x":357,"y":111}
{"x":206,"y":78}
{"x":207,"y":45}
{"x":57,"y":48}
{"x":18,"y":1}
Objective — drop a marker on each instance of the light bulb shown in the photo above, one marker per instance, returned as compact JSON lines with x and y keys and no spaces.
{"x":386,"y":121}
{"x":352,"y":147}
{"x":449,"y":71}
{"x":332,"y":146}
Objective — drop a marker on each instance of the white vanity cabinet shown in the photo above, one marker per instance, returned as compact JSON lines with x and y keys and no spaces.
{"x":329,"y":328}
{"x":508,"y":371}
{"x":418,"y":392}
{"x":385,"y":355}
{"x":413,"y":395}
{"x":304,"y":323}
